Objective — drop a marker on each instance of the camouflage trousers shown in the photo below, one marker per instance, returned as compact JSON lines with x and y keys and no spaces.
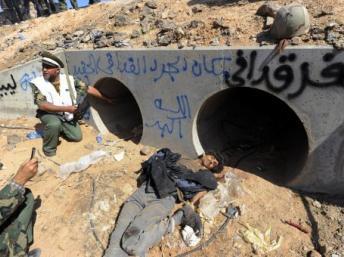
{"x":16,"y":233}
{"x":63,"y":4}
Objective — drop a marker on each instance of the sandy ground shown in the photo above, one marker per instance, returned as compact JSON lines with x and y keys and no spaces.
{"x":77,"y":215}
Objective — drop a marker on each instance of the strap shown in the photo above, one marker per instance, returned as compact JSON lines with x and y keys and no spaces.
{"x":71,"y":92}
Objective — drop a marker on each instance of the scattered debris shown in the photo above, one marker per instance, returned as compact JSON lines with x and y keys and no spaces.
{"x":119,"y":156}
{"x":298,"y":226}
{"x":261,"y":242}
{"x":35,"y":134}
{"x":316,"y":204}
{"x":80,"y":165}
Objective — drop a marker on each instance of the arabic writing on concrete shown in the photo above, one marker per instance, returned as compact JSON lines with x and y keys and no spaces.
{"x":26,"y":79}
{"x":284,"y":74}
{"x":9,"y":88}
{"x":135,"y":66}
{"x":173,"y":117}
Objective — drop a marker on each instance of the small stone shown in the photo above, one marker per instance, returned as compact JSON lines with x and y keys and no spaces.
{"x":214,"y":42}
{"x":335,"y":255}
{"x":13,"y":139}
{"x":182,"y":43}
{"x":146,"y":25}
{"x":147,"y":12}
{"x":104,"y":206}
{"x":120,"y":43}
{"x":296,"y":41}
{"x":165,"y":25}
{"x":316,"y":204}
{"x":145,"y":150}
{"x":151,"y":4}
{"x":196,"y":24}
{"x":135,"y":33}
{"x":325,"y":10}
{"x":100,"y":44}
{"x":218,"y":23}
{"x":313,"y":253}
{"x":197,"y":9}
{"x":164,"y":14}
{"x":89,"y":147}
{"x":78,"y":33}
{"x":121,"y":20}
{"x":85,"y":39}
{"x":96,"y":34}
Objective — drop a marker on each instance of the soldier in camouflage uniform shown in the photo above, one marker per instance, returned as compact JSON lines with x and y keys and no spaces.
{"x":63,"y":4}
{"x":55,"y":108}
{"x":16,"y":214}
{"x":14,"y":8}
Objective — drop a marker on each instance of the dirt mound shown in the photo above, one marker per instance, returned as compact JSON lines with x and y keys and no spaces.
{"x":177,"y":24}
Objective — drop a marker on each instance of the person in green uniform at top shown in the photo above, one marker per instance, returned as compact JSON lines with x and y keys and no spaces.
{"x":17,"y":214}
{"x":55,"y":105}
{"x":63,"y":5}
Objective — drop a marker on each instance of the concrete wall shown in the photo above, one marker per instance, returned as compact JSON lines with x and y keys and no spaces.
{"x":171,"y":86}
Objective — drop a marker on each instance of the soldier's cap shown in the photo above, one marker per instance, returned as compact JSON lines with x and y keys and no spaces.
{"x":51,"y":60}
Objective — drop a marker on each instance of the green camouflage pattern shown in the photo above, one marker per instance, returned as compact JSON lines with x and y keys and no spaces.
{"x":15,"y":222}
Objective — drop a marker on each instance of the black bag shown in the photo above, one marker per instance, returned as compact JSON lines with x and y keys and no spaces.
{"x":82,"y":108}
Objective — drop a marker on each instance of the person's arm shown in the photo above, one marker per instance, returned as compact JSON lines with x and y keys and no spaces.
{"x":96,"y":93}
{"x":49,"y":107}
{"x":82,"y":89}
{"x":195,"y":199}
{"x":12,"y":195}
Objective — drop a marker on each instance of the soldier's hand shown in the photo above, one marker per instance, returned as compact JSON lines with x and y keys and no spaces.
{"x":26,"y":171}
{"x":71,"y":108}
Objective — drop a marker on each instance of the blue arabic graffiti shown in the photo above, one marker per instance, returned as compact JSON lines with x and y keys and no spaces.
{"x":174,"y":117}
{"x":25,"y":80}
{"x":135,"y":66}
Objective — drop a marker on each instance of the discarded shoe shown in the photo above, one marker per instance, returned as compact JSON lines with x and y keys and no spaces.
{"x":192,"y":219}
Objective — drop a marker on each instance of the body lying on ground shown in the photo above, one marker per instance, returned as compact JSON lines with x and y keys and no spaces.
{"x":154,"y":209}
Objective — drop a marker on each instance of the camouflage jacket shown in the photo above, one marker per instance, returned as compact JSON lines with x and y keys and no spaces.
{"x":13,"y":241}
{"x":10,"y":199}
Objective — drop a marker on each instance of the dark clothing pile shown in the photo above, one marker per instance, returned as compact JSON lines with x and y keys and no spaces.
{"x":164,"y":176}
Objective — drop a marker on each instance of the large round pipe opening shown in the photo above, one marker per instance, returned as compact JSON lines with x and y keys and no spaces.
{"x":122,"y":116}
{"x":255,"y":131}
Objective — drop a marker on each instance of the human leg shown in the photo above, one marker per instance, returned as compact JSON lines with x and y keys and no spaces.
{"x":74,"y":4}
{"x":72,"y":131}
{"x":130,"y":209}
{"x":63,"y":5}
{"x":148,"y":227}
{"x":52,"y":128}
